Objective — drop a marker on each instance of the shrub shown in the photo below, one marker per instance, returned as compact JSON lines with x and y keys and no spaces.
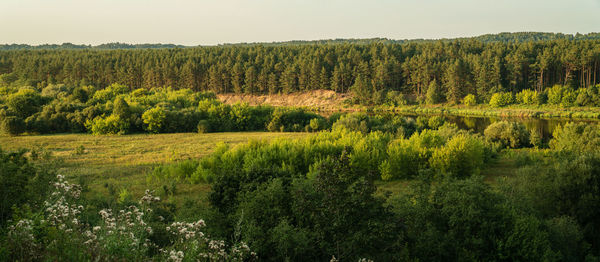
{"x":395,"y":98}
{"x":12,"y":125}
{"x":404,"y":160}
{"x":536,"y":139}
{"x":470,"y":100}
{"x":25,"y":102}
{"x":203,"y":126}
{"x":436,"y":122}
{"x":588,"y":96}
{"x":511,"y":134}
{"x":462,"y":156}
{"x":290,"y":120}
{"x":576,"y":137}
{"x":154,"y":119}
{"x":569,"y":98}
{"x":555,"y":94}
{"x":501,"y":99}
{"x":23,"y":182}
{"x":112,"y":124}
{"x":527,"y":97}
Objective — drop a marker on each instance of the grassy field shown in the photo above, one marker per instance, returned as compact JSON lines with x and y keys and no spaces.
{"x":109,"y":164}
{"x":114,"y":163}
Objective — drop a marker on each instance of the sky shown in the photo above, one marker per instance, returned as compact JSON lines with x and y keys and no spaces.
{"x":210,"y":22}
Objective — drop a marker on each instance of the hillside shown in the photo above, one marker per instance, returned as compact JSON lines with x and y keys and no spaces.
{"x":322,"y":99}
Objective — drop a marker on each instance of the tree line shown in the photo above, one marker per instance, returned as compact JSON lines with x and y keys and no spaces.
{"x":368,"y":69}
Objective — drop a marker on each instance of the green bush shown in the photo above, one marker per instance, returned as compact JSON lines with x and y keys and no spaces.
{"x":12,"y":125}
{"x":576,"y":138}
{"x":462,"y":156}
{"x":527,"y":97}
{"x":569,"y":98}
{"x":510,"y":134}
{"x":112,"y":124}
{"x":453,"y":219}
{"x":25,"y":102}
{"x":501,"y":99}
{"x":203,"y":126}
{"x":406,"y":157}
{"x":436,"y":122}
{"x":470,"y":100}
{"x":555,"y":94}
{"x":154,"y":119}
{"x":22,"y":183}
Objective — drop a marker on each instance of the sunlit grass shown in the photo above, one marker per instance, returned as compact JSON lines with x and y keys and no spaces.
{"x":113,"y":163}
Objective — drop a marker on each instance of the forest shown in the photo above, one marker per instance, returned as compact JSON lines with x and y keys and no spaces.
{"x":368,"y":69}
{"x":125,"y":153}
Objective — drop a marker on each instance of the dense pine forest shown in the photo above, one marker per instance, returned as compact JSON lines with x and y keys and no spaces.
{"x":367,"y":68}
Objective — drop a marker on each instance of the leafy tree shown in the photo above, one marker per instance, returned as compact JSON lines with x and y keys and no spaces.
{"x":434,"y":93}
{"x":154,"y":119}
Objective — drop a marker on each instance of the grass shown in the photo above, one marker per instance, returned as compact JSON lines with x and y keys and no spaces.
{"x":108,"y":164}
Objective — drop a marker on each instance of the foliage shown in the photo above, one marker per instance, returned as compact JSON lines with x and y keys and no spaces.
{"x":434,"y":93}
{"x":506,"y":133}
{"x":576,"y":138}
{"x":461,"y":157}
{"x":112,"y":124}
{"x":501,"y":99}
{"x":470,"y":100}
{"x":21,"y":182}
{"x":457,"y":219}
{"x":154,"y":119}
{"x":527,"y":97}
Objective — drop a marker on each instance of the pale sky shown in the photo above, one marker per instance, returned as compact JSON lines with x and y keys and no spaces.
{"x":208,"y":22}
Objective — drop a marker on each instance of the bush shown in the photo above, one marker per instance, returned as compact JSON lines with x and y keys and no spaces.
{"x":404,"y":160}
{"x":22,"y":183}
{"x":510,"y":134}
{"x":436,"y":122}
{"x":12,"y":125}
{"x":395,"y":98}
{"x":569,"y":98}
{"x":555,"y":94}
{"x":406,"y":157}
{"x":112,"y":125}
{"x":462,"y":156}
{"x":470,"y":100}
{"x":527,"y":97}
{"x":203,"y":126}
{"x":501,"y":99}
{"x":290,"y":120}
{"x":25,"y":102}
{"x":154,"y":119}
{"x":576,"y":138}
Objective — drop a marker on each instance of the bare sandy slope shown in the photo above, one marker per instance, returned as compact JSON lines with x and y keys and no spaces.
{"x":322,"y":99}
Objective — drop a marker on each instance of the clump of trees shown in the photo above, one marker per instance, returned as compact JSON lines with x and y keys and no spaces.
{"x":119,"y":110}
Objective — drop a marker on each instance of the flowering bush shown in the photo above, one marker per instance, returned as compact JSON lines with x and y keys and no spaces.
{"x":57,"y":233}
